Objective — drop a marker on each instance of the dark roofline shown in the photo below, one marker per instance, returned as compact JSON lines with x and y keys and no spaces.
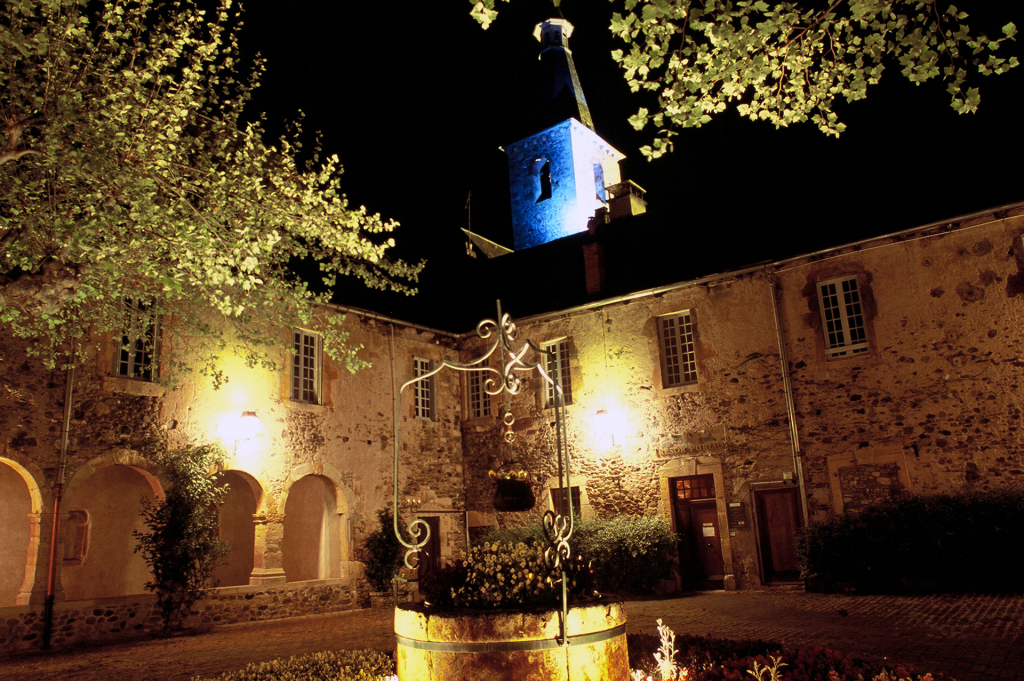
{"x":925,"y":231}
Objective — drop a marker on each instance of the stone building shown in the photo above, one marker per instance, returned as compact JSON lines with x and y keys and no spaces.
{"x":739,"y":406}
{"x":310,"y":457}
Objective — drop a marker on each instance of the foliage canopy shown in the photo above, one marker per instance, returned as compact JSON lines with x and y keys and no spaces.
{"x":786,"y":62}
{"x":128,"y":170}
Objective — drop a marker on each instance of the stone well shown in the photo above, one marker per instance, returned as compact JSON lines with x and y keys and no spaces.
{"x":511,"y":645}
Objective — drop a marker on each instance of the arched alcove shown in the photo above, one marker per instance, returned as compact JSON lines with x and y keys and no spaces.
{"x":312,"y":527}
{"x":19,"y":533}
{"x":99,"y":551}
{"x":236,"y":527}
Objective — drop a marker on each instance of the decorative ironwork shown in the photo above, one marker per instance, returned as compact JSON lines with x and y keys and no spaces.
{"x":508,"y":381}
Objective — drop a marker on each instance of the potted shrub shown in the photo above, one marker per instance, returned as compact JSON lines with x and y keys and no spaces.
{"x":497,"y":615}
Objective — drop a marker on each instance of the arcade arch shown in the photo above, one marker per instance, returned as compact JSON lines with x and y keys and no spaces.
{"x":99,"y":549}
{"x":20,"y":509}
{"x":235,"y":522}
{"x":312,"y":546}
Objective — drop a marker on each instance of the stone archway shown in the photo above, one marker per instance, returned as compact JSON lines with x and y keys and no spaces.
{"x":20,"y":511}
{"x":336,"y":551}
{"x":236,"y":526}
{"x":311,"y":528}
{"x":103,"y":504}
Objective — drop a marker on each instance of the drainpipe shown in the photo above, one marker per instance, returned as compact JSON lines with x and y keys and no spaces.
{"x":794,"y":435}
{"x":58,"y":493}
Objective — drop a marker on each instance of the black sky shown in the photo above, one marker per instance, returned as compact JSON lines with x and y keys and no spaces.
{"x":415,"y":99}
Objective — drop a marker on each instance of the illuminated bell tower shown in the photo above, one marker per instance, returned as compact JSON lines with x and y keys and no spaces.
{"x":559,"y":176}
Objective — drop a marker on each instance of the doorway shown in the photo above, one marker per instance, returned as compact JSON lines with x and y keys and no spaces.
{"x":697,"y":526}
{"x":778,"y":520}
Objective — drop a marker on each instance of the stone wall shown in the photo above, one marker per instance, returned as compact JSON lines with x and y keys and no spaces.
{"x":938,"y":394}
{"x":625,"y":429}
{"x":863,"y":486}
{"x":131,"y":617}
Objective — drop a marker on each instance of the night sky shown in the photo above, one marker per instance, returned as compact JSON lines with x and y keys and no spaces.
{"x":416,"y":99}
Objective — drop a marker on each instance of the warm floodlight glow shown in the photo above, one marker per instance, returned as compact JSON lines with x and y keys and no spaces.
{"x":240,"y":435}
{"x":610,"y":428}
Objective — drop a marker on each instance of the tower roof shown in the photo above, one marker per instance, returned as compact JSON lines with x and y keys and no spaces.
{"x":561,"y":94}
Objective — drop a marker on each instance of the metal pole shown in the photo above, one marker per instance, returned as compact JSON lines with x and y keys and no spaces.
{"x":58,"y":493}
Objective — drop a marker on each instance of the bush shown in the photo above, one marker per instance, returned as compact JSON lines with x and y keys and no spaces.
{"x":628,"y":554}
{"x":386,"y":553}
{"x":341,"y":665}
{"x":928,"y":543}
{"x":180,"y":545}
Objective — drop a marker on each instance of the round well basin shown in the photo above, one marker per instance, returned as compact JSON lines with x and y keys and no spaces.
{"x":511,"y":645}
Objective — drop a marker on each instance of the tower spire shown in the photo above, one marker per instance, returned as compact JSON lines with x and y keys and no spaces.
{"x":563,"y":97}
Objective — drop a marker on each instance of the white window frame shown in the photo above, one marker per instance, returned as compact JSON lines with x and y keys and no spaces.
{"x":307,"y":366}
{"x":677,"y":349}
{"x":135,"y":354}
{"x":558,"y":492}
{"x":478,"y":402}
{"x":559,"y":353}
{"x":842,"y":317}
{"x":424,"y":404}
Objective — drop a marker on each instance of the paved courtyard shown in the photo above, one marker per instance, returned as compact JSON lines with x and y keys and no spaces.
{"x":972,"y":638}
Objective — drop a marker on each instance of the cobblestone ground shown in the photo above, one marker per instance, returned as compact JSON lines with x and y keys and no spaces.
{"x":974,"y":638}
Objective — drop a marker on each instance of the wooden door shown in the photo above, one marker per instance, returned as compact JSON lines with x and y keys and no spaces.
{"x":700,"y":543}
{"x":778,"y":519}
{"x":430,"y":555}
{"x":707,"y":538}
{"x":689,"y":561}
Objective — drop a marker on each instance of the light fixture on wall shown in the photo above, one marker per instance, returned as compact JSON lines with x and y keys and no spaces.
{"x":609,"y":428}
{"x":239,"y":434}
{"x":249,"y":425}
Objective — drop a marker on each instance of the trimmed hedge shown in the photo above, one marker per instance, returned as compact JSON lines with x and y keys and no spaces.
{"x":963,"y":542}
{"x":628,"y":554}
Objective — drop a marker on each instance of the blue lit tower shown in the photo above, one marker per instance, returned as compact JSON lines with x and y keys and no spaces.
{"x":560,"y":175}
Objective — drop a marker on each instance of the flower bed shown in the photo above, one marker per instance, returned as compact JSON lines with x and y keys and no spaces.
{"x":341,"y":665}
{"x":702,"y":658}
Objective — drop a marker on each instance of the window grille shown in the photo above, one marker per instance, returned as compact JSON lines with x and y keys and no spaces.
{"x":678,"y":356}
{"x":306,"y":366}
{"x":424,"y":398}
{"x":842,"y":317}
{"x":695,"y":487}
{"x":557,"y":366}
{"x":137,"y":350}
{"x":478,"y":402}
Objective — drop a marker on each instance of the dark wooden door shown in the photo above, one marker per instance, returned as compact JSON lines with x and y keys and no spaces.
{"x":707,"y":537}
{"x":689,"y":561}
{"x":430,"y":555}
{"x":778,"y":519}
{"x":700,"y":544}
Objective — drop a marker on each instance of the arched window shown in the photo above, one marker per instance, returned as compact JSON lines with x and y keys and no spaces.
{"x":540,"y":171}
{"x":545,"y":182}
{"x":602,"y":193}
